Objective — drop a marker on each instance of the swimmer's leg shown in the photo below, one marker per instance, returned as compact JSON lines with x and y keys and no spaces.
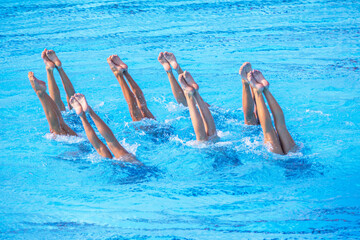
{"x":175,"y":87}
{"x":255,"y":109}
{"x":270,"y":135}
{"x":53,"y":88}
{"x":196,"y":119}
{"x":248,"y":101}
{"x":69,"y":88}
{"x":286,"y":140}
{"x":140,"y":98}
{"x":113,"y":144}
{"x":208,"y":119}
{"x":52,"y":112}
{"x":134,"y":109}
{"x":90,"y":133}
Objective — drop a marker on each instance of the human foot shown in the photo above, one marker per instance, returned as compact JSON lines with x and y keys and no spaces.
{"x":260,"y":78}
{"x":188,"y":90}
{"x":190,"y":80}
{"x":164,"y":62}
{"x":170,"y":57}
{"x":257,"y":86}
{"x":244,"y":70}
{"x":52,"y":56}
{"x":49,"y":64}
{"x":38,"y":85}
{"x":82,"y":100}
{"x":119,"y":63}
{"x":116,"y":64}
{"x":76,"y":105}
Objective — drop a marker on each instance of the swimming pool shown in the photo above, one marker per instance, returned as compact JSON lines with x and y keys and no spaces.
{"x":234,"y":189}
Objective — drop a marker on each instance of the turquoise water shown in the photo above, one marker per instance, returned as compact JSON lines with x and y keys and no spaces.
{"x":234,"y":189}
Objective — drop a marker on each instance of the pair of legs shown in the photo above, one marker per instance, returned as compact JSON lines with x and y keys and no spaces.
{"x":79,"y":103}
{"x":53,"y":115}
{"x":166,"y":59}
{"x":202,"y":120}
{"x":52,"y":61}
{"x":254,"y":83}
{"x":134,"y":96}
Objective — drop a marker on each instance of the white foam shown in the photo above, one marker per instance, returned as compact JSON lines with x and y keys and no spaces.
{"x":318,"y":112}
{"x":233,"y":121}
{"x":221,"y":144}
{"x":174,"y":107}
{"x":159,"y":99}
{"x":130,"y":148}
{"x":64,"y":138}
{"x":191,"y":143}
{"x":94,"y":157}
{"x":99,"y":105}
{"x":167,"y":121}
{"x":222,"y":134}
{"x":349,"y":123}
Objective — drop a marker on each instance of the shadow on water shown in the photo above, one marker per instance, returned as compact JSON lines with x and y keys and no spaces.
{"x":155,"y":131}
{"x":223,"y":156}
{"x":300,"y":164}
{"x":127,"y":173}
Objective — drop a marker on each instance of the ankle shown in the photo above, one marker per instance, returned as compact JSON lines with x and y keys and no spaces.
{"x":40,"y":93}
{"x":119,"y":74}
{"x":49,"y":69}
{"x":257,"y":91}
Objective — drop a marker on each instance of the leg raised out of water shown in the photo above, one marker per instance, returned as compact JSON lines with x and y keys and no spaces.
{"x":208,"y":119}
{"x":196,"y":119}
{"x":69,"y":88}
{"x":104,"y":130}
{"x":90,"y":133}
{"x":130,"y":98}
{"x":50,"y":108}
{"x":140,"y":98}
{"x":247,"y":97}
{"x":287,"y":142}
{"x":53,"y":88}
{"x":269,"y":132}
{"x":122,"y":68}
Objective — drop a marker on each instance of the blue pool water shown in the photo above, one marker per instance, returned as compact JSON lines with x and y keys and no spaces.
{"x":234,"y":189}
